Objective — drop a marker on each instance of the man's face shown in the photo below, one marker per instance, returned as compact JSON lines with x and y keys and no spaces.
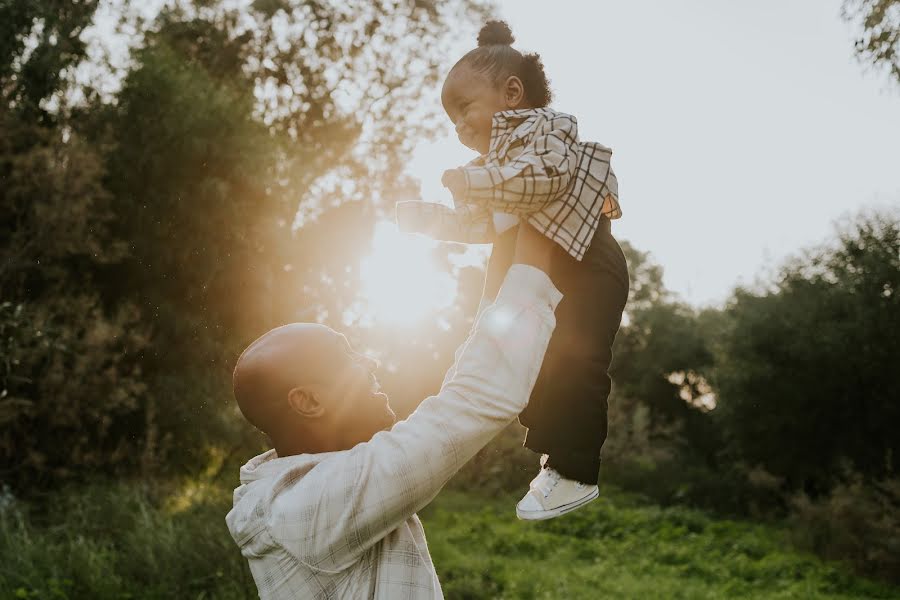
{"x":309,"y":390}
{"x":471,"y":101}
{"x":359,"y":408}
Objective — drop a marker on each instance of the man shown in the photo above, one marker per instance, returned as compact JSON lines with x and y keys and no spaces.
{"x":330,"y":511}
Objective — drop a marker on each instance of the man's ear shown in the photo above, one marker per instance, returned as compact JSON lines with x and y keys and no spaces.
{"x":304,"y":403}
{"x":513,"y":92}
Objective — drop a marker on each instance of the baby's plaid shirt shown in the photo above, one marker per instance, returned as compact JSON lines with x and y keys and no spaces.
{"x":536,"y":169}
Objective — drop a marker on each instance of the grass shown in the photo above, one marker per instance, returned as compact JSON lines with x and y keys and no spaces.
{"x":622,"y":547}
{"x":114,"y":542}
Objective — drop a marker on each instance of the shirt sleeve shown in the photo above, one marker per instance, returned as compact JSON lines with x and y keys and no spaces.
{"x":540,"y":174}
{"x":353,"y":500}
{"x":464,"y":224}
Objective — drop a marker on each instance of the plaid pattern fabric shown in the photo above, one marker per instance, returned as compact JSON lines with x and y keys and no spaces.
{"x":535,"y":168}
{"x":466,"y":224}
{"x":343,"y":524}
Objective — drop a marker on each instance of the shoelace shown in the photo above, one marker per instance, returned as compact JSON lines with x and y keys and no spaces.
{"x":549,"y":481}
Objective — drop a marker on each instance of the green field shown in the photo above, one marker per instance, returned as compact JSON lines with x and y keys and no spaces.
{"x":622,"y":547}
{"x":115,"y":543}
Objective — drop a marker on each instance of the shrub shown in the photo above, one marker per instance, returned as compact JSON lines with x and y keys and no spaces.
{"x":855,"y":521}
{"x":68,"y":380}
{"x":121,"y":541}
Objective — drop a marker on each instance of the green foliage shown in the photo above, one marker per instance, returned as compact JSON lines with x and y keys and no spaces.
{"x":807,"y":374}
{"x":232,"y":185}
{"x":189,"y":188}
{"x":55,"y":213}
{"x":501,"y":465}
{"x":121,"y":542}
{"x":144,"y":242}
{"x":48,"y":349}
{"x":662,"y":439}
{"x":170,"y":541}
{"x":660,"y":352}
{"x":857,"y":521}
{"x":879,"y":40}
{"x":620,"y":547}
{"x":71,"y":366}
{"x":39,"y":41}
{"x":801,"y":379}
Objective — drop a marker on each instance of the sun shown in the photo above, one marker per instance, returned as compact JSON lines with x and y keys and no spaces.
{"x":400,"y":284}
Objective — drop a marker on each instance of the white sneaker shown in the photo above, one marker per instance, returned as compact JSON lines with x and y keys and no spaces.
{"x":551,"y":495}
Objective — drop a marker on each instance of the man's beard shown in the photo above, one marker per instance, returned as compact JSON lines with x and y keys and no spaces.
{"x":389,"y":415}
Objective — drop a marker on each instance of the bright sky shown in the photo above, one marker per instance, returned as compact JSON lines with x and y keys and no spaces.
{"x":741,"y":130}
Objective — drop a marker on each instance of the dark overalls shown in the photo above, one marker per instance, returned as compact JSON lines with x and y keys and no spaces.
{"x":566,"y":415}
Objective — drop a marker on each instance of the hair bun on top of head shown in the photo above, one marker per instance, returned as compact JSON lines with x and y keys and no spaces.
{"x":495,"y":33}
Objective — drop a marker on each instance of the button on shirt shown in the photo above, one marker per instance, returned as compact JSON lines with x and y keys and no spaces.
{"x":535,"y":169}
{"x":343,"y":524}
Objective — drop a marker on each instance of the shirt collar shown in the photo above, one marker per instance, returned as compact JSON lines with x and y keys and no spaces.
{"x":514,"y":117}
{"x":269,"y":464}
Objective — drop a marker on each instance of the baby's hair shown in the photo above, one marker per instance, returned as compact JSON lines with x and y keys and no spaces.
{"x":496,"y":58}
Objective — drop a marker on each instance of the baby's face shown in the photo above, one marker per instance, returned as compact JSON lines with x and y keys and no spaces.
{"x":471,"y":101}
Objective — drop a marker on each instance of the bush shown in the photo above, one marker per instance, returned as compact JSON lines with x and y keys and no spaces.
{"x":806,"y":372}
{"x":168,"y":540}
{"x":855,"y":521}
{"x":122,"y":541}
{"x":502,"y":465}
{"x":69,"y":380}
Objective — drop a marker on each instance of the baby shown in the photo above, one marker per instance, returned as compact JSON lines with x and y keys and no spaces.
{"x":533,"y":172}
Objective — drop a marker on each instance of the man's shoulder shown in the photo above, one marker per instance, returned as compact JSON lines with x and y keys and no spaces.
{"x":301,"y":476}
{"x":285,"y":485}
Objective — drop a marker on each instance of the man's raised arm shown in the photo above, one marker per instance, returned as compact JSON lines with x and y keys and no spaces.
{"x":372,"y":489}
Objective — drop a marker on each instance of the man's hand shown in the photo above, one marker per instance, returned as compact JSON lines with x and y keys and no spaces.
{"x":534,"y":248}
{"x":455,"y":181}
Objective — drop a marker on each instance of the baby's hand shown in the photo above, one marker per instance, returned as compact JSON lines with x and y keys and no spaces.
{"x":455,"y":181}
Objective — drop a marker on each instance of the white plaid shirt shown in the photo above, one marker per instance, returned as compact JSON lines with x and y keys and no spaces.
{"x":535,"y":168}
{"x":343,"y":524}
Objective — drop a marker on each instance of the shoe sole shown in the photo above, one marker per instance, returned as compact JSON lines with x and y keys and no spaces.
{"x":561,"y":510}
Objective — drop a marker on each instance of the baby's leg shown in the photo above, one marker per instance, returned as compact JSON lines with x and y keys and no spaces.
{"x":566,"y":417}
{"x":502,"y":254}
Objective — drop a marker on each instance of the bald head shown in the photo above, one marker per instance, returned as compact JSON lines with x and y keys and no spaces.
{"x":305,"y":387}
{"x":283,"y":358}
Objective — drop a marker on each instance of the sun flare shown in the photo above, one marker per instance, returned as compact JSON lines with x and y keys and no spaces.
{"x":401,"y":284}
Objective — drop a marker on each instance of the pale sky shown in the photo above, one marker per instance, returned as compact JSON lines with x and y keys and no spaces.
{"x":741,"y":131}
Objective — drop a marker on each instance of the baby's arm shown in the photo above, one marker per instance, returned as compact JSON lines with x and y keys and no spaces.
{"x":464,"y":224}
{"x":536,"y":177}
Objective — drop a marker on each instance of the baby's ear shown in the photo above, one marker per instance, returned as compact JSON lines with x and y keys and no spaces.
{"x":514,"y":92}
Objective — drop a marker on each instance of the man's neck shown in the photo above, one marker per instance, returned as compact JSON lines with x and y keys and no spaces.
{"x":302,"y":443}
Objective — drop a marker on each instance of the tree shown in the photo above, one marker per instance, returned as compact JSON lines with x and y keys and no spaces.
{"x":661,"y":400}
{"x":167,"y":242}
{"x":807,"y":376}
{"x":879,"y":41}
{"x":69,"y":366}
{"x":39,"y":40}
